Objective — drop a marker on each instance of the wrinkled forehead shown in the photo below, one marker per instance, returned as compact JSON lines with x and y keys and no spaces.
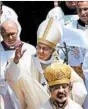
{"x":60,"y":85}
{"x":42,"y":45}
{"x":82,"y":3}
{"x":9,"y":25}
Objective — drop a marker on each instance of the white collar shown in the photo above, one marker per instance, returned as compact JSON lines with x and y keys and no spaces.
{"x":48,"y":61}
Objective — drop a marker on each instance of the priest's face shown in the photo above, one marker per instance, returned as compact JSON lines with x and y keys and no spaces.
{"x":71,"y":4}
{"x":44,"y":52}
{"x":83,"y":11}
{"x":9,"y":33}
{"x":60,"y":93}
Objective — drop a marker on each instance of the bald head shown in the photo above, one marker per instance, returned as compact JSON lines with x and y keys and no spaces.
{"x":8,"y":24}
{"x":9,"y":32}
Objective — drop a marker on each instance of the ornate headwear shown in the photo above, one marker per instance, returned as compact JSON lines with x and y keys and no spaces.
{"x":57,"y":73}
{"x":49,"y":33}
{"x":57,"y":14}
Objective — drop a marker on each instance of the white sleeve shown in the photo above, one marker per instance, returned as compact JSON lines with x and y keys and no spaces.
{"x":85,"y":69}
{"x":12,"y":72}
{"x":79,"y":91}
{"x":1,"y":103}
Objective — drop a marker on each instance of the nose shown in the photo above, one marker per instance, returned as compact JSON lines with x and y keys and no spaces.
{"x":61,"y":89}
{"x":41,"y":50}
{"x":10,"y":37}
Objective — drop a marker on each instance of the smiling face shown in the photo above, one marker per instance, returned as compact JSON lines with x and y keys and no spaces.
{"x":83,"y":11}
{"x":60,"y":93}
{"x":44,"y":52}
{"x":9,"y":33}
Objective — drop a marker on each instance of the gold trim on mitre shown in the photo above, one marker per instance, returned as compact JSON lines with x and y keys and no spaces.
{"x":45,"y":34}
{"x":46,"y":42}
{"x":62,"y":81}
{"x":47,"y":28}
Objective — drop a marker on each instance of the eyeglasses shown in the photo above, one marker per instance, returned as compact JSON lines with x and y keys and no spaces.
{"x":6,"y":36}
{"x":43,"y":48}
{"x":82,"y":9}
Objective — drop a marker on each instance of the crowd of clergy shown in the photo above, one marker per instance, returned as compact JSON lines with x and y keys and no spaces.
{"x":52,"y":75}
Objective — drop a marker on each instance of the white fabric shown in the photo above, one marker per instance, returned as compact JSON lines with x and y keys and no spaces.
{"x":70,"y":18}
{"x":5,"y":55}
{"x":21,"y":79}
{"x":78,"y":94}
{"x":71,"y":105}
{"x":25,"y":66}
{"x":54,"y":30}
{"x":40,"y":66}
{"x":75,"y":60}
{"x":74,"y":25}
{"x":34,"y":95}
{"x":1,"y":102}
{"x":57,"y":14}
{"x":74,"y":37}
{"x":85,"y":72}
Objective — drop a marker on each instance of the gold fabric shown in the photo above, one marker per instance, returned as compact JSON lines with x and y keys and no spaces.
{"x":57,"y":73}
{"x":79,"y":70}
{"x":50,"y":44}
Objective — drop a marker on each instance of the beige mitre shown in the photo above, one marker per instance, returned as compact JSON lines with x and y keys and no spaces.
{"x":49,"y":33}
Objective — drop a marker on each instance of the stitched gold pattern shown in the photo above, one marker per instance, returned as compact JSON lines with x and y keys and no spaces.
{"x":47,"y":28}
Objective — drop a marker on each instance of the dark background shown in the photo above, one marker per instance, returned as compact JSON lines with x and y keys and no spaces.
{"x":31,"y":14}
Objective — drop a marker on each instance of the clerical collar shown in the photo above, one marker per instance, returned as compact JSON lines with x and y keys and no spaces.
{"x":48,"y":61}
{"x":6,"y":47}
{"x":54,"y":103}
{"x":81,"y":23}
{"x":9,"y":48}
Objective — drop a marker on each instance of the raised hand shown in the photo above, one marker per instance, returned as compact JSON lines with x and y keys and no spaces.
{"x":19,"y":53}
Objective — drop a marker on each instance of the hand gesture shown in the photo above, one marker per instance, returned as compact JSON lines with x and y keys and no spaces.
{"x":19,"y":53}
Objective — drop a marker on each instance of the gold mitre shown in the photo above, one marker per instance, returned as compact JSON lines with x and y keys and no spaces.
{"x":57,"y":73}
{"x":49,"y":33}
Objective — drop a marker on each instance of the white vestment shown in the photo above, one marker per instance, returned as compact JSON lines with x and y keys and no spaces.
{"x":78,"y":93}
{"x":85,"y":71}
{"x":19,"y":76}
{"x":71,"y":105}
{"x":10,"y":99}
{"x":76,"y":60}
{"x":1,"y":102}
{"x":76,"y":53}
